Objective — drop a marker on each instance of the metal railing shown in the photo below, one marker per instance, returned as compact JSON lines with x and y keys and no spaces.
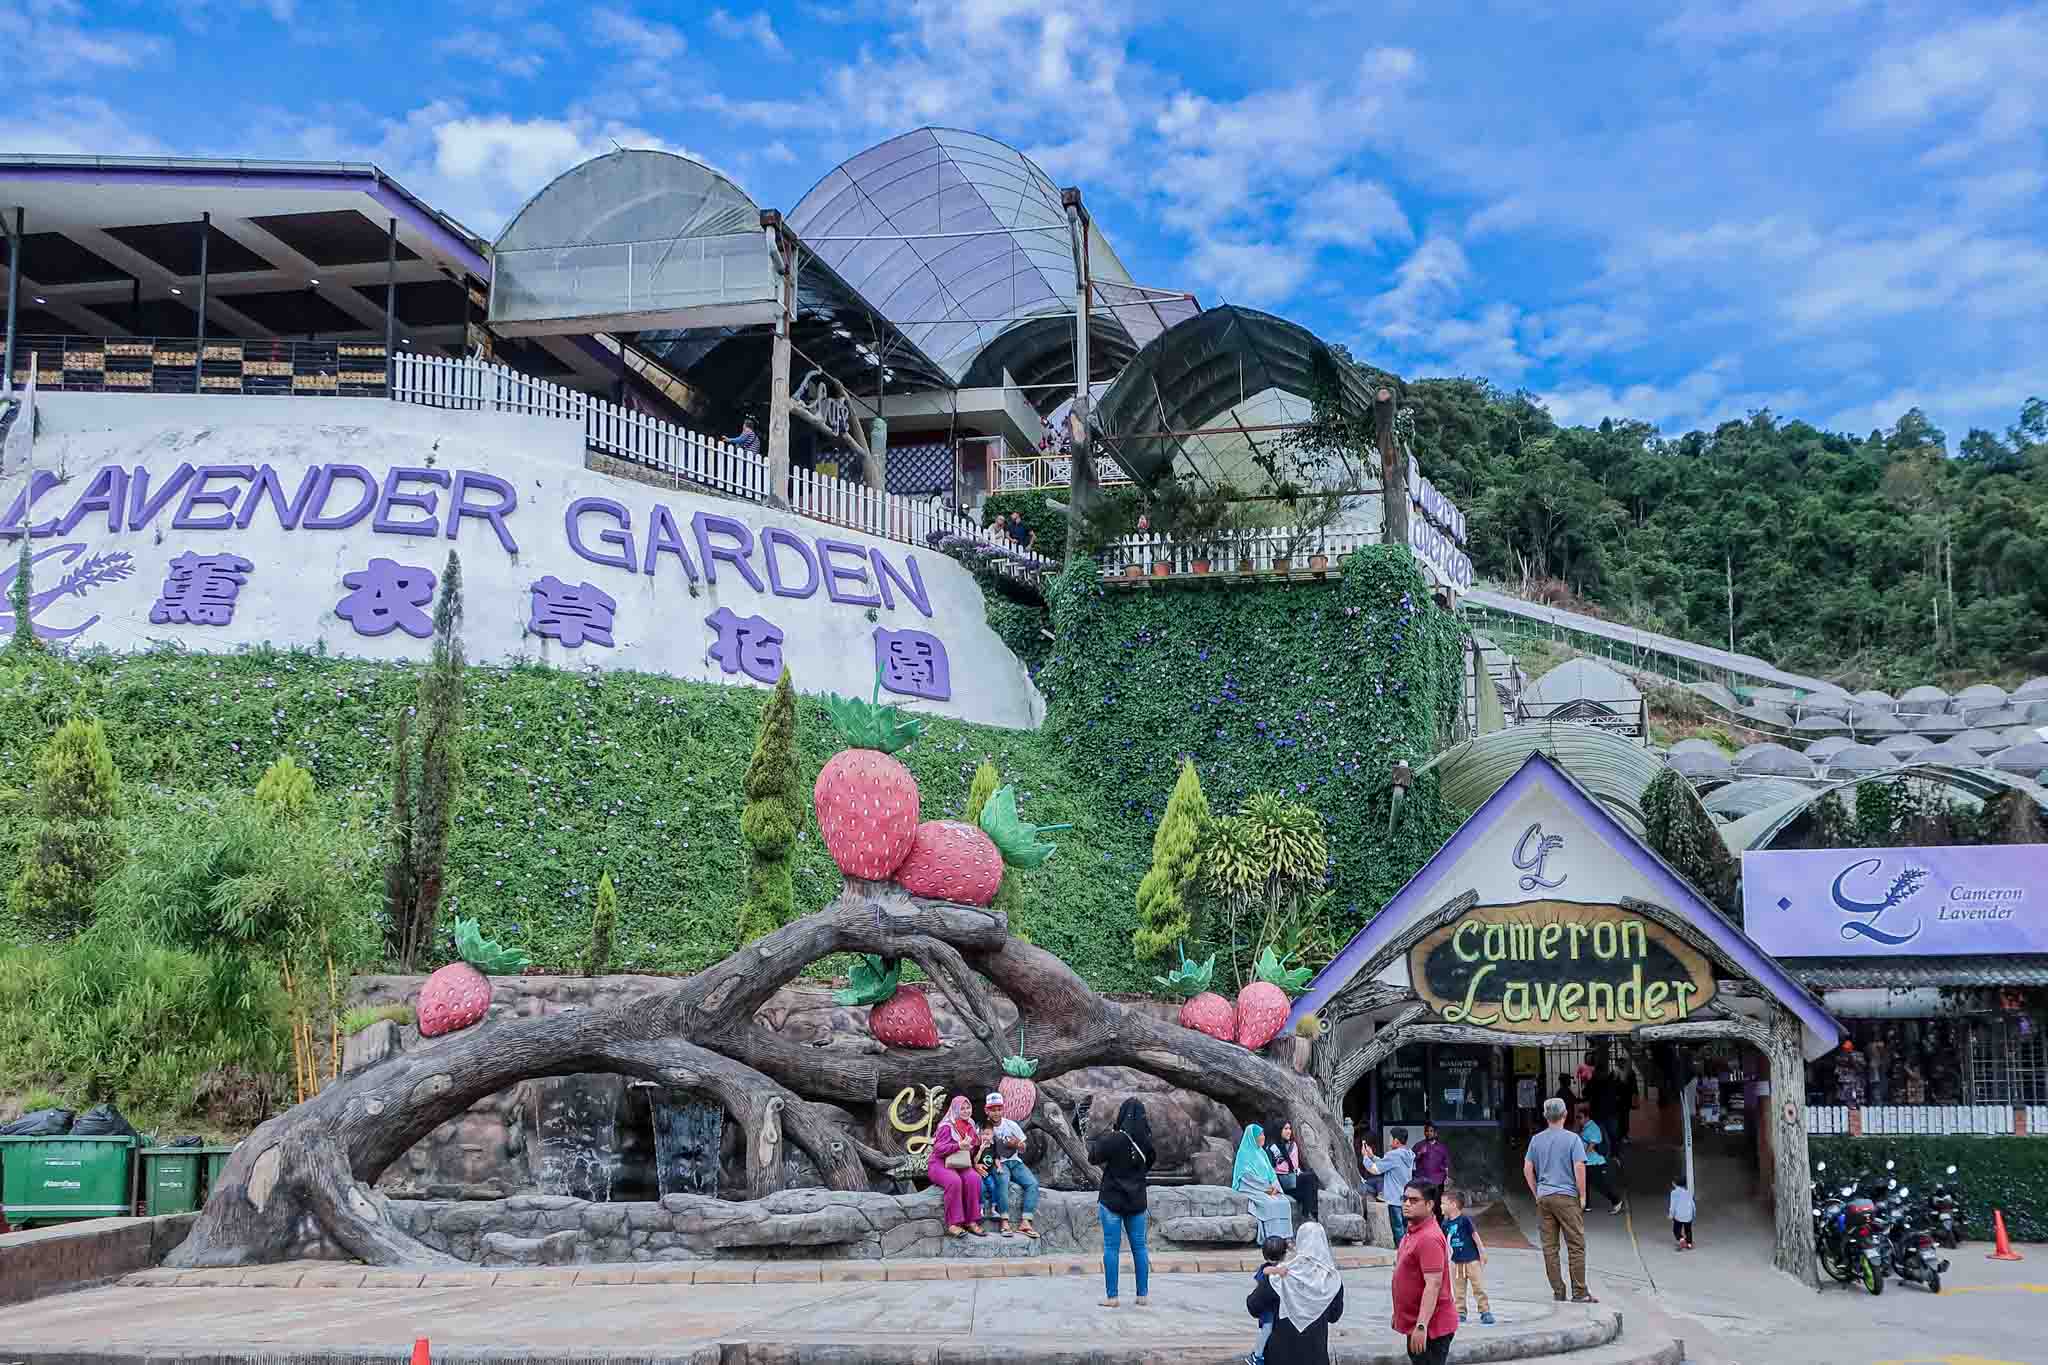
{"x":1934,"y":1120}
{"x":480,"y":386}
{"x":1279,"y":549}
{"x":1022,"y":473}
{"x":78,"y":364}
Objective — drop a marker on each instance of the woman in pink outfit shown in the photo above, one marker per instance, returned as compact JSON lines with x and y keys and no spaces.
{"x":961,"y":1182}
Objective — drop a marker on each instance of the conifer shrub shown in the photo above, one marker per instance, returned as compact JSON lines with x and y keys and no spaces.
{"x":773,"y":815}
{"x":604,"y":921}
{"x":1164,"y":918}
{"x":73,"y":841}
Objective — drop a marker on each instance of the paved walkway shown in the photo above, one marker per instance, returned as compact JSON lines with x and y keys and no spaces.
{"x":1192,"y":1317}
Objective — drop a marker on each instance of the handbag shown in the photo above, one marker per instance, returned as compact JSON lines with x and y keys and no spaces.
{"x":958,"y":1159}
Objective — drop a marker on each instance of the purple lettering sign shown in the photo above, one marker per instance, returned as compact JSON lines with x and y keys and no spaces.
{"x":79,"y":580}
{"x":913,"y":664}
{"x":387,"y":596}
{"x":199,"y":495}
{"x":394,"y":496}
{"x":1881,"y":902}
{"x":746,"y":644}
{"x":620,"y":535}
{"x":108,"y":492}
{"x":571,"y":613}
{"x":200,"y":590}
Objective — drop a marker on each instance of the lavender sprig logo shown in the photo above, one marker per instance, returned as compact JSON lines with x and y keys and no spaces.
{"x":81,"y":576}
{"x":1897,"y":894}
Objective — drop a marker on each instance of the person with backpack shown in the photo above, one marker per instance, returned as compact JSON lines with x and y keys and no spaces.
{"x":1597,"y":1173}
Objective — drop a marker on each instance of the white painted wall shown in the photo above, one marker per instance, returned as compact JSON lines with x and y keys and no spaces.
{"x":290,"y":597}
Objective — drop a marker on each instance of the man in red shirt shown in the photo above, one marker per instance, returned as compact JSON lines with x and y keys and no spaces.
{"x":1423,"y":1311}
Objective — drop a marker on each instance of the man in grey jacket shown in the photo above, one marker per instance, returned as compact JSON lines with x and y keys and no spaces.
{"x":1395,"y":1170}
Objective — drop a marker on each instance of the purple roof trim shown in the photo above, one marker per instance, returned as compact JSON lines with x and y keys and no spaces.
{"x":397,"y":202}
{"x":1539,"y":771}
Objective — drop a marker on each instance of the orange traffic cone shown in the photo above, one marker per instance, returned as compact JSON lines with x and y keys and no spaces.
{"x":419,"y":1352}
{"x":2002,"y":1251}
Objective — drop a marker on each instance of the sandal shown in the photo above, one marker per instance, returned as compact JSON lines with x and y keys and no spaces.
{"x":977,"y":1229}
{"x":1109,"y":1303}
{"x":955,"y":1230}
{"x":1004,"y":1227}
{"x":1584,"y":1298}
{"x":1027,"y":1229}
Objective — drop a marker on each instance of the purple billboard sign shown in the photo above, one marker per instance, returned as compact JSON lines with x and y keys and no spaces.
{"x":1890,"y":902}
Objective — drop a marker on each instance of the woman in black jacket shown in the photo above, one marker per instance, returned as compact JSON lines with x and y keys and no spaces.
{"x":1125,"y":1154}
{"x":1303,"y":1297}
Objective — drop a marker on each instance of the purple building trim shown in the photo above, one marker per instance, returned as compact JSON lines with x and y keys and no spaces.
{"x":396,"y":202}
{"x":1539,"y":771}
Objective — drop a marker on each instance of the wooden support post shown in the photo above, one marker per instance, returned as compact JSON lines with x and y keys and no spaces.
{"x":783,"y":250}
{"x":1081,"y":482}
{"x":1792,"y":1179}
{"x":1393,"y":471}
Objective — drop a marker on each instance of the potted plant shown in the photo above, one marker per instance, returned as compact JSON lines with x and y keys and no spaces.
{"x":1317,"y":559}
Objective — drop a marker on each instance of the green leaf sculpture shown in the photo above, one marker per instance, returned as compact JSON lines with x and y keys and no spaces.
{"x":1020,"y":1066}
{"x":870,"y":982}
{"x":481,"y":953}
{"x":1271,"y":968}
{"x":1189,"y":979}
{"x":1016,"y":839}
{"x":871,"y":725}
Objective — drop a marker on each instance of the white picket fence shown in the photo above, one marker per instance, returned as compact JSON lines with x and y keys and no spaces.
{"x":1934,"y":1120}
{"x":479,"y":386}
{"x":1244,"y":552}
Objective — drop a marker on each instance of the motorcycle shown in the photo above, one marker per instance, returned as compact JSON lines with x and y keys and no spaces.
{"x":1914,"y":1254}
{"x":1945,"y":1211}
{"x":1847,"y":1239}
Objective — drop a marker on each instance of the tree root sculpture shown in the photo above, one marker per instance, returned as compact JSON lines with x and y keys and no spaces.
{"x":311,"y":1171}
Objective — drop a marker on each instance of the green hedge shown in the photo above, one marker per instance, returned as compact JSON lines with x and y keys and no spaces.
{"x":1314,"y":690}
{"x":570,"y":775}
{"x":2009,"y":1173}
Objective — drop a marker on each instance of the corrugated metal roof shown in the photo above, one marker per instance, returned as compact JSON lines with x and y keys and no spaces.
{"x":1901,"y":973}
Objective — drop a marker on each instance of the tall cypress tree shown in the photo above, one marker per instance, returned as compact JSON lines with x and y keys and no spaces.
{"x":1163,"y":915}
{"x":17,"y":601}
{"x":423,"y":811}
{"x":773,"y":815}
{"x":72,"y":844}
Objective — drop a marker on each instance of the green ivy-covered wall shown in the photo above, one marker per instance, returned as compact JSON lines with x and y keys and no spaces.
{"x":1311,"y":689}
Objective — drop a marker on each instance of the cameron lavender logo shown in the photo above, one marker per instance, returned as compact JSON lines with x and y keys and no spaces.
{"x":1900,"y":891}
{"x":80,"y":578}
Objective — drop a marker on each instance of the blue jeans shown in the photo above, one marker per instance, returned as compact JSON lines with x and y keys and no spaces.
{"x":1113,"y":1228}
{"x":1007,"y":1172}
{"x":1399,"y":1224}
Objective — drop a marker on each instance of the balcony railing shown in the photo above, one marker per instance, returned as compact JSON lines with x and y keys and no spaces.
{"x":1941,"y":1120}
{"x":1022,"y":473}
{"x":69,"y":364}
{"x":1276,"y":550}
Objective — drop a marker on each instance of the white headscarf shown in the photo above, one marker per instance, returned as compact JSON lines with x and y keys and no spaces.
{"x":1311,"y":1281}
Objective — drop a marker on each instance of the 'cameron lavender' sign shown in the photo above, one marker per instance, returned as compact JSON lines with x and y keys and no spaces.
{"x":1897,"y":902}
{"x":233,"y":541}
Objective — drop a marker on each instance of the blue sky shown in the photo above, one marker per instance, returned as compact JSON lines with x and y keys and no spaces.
{"x":1679,"y":212}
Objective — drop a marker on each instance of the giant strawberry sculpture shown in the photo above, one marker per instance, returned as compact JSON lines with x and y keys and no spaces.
{"x":1204,"y":1010}
{"x":460,"y":993}
{"x":898,"y":1015}
{"x":866,"y":800}
{"x":1262,"y":1006}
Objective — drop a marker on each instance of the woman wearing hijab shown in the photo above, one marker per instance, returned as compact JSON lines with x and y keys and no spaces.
{"x":1304,"y":1302}
{"x":1252,"y":1175}
{"x":1125,"y":1153}
{"x":1295,"y":1178}
{"x":952,"y":1169}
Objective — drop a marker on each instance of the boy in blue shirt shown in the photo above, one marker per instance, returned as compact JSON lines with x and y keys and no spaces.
{"x":1468,"y":1254}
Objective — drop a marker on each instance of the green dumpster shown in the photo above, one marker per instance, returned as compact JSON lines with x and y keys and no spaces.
{"x":57,"y":1179}
{"x":170,"y":1180}
{"x":216,"y":1160}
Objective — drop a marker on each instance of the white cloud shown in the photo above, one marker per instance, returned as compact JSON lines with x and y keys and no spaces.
{"x":651,"y":60}
{"x":49,"y":43}
{"x":1717,"y":22}
{"x":1249,"y":272}
{"x":757,"y":29}
{"x":1425,"y":286}
{"x":1699,"y":400}
{"x":1981,"y":400}
{"x":74,"y":126}
{"x":1348,"y":212}
{"x":1993,"y":67}
{"x":520,"y":55}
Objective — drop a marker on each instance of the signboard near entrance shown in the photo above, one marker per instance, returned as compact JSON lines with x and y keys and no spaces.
{"x":1559,"y":967}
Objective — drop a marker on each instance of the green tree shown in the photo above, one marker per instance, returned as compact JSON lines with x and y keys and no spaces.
{"x":986,"y":780}
{"x":603,"y":920}
{"x":17,"y":600}
{"x":773,"y":815}
{"x":72,"y":844}
{"x":1164,"y":918}
{"x":423,"y":809}
{"x":1681,"y":832}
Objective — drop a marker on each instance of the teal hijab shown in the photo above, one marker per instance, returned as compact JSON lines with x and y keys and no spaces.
{"x":1252,"y":1163}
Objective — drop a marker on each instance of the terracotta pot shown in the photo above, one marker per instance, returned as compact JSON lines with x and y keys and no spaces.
{"x":1161,"y":568}
{"x":1319,"y":562}
{"x":1282,"y":565}
{"x":1201,"y":566}
{"x":1134,"y":571}
{"x":1244,"y":566}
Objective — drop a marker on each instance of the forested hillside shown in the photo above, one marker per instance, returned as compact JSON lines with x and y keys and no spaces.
{"x":1886,"y":559}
